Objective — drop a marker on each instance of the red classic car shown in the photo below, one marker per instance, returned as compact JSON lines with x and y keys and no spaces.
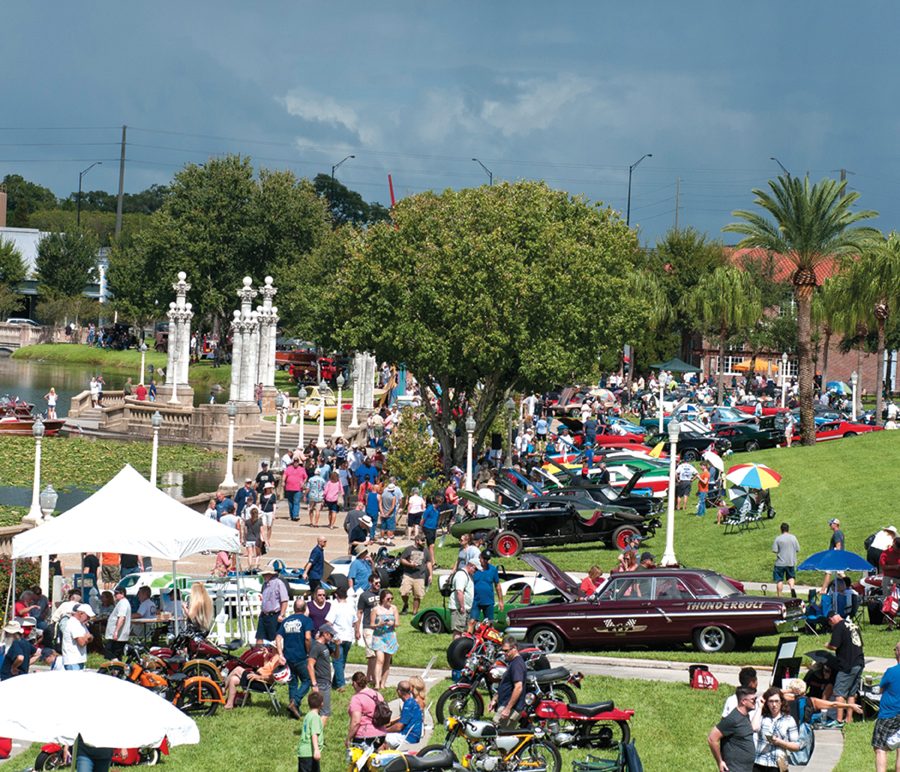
{"x":767,"y":409}
{"x":652,"y":607}
{"x":836,"y":430}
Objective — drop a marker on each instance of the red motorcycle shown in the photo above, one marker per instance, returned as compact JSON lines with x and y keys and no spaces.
{"x":53,"y":756}
{"x":486,"y":639}
{"x":598,"y":725}
{"x":199,"y":649}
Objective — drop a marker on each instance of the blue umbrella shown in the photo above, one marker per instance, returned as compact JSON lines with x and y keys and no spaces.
{"x":835,"y":560}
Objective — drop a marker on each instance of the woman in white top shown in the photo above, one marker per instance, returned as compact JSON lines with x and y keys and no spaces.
{"x":211,"y":510}
{"x":341,"y":616}
{"x":415,"y":506}
{"x":51,"y":398}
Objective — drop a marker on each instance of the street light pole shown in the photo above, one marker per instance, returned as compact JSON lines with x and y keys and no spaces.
{"x":669,"y":555}
{"x":854,"y":379}
{"x":228,"y":482}
{"x":662,"y":389}
{"x":279,"y":404}
{"x":470,"y":430}
{"x":34,"y":515}
{"x":630,"y":171}
{"x":333,"y":170}
{"x":302,"y":395}
{"x":143,"y":357}
{"x":787,"y":173}
{"x":784,"y":363}
{"x":320,"y":442}
{"x":78,"y":204}
{"x":490,"y":174}
{"x":155,"y":422}
{"x":338,"y":432}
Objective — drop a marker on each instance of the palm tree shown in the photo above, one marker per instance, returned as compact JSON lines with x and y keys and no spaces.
{"x":809,"y":225}
{"x":726,"y":303}
{"x":829,"y":303}
{"x":875,"y":287}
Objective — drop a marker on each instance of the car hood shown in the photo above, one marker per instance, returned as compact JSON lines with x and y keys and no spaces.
{"x":548,"y":570}
{"x":629,"y":486}
{"x":474,"y":498}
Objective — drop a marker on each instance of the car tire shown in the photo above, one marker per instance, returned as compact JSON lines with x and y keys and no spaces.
{"x":849,"y":434}
{"x":432,"y":624}
{"x":713,"y":639}
{"x":752,"y":446}
{"x":622,"y":534}
{"x":690,"y":455}
{"x":507,"y":544}
{"x":547,"y":639}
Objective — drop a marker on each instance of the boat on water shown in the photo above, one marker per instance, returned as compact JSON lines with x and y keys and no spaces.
{"x":12,"y":423}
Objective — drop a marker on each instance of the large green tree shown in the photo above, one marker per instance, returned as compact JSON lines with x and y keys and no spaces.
{"x":12,"y":273}
{"x":726,"y":304}
{"x":347,"y":206}
{"x":218,"y":223}
{"x":483,"y":291}
{"x":24,"y":197}
{"x":808,"y":224}
{"x":66,"y":262}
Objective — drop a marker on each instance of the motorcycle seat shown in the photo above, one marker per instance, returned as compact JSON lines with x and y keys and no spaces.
{"x":436,"y":760}
{"x":591,"y":708}
{"x":233,"y":645}
{"x":551,"y":675}
{"x":175,"y":677}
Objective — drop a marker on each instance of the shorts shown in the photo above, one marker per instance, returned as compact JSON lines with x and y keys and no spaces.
{"x":389,"y":523}
{"x":507,"y":723}
{"x":110,"y":574}
{"x":367,"y":640}
{"x":315,"y":499}
{"x":417,"y":586}
{"x":781,"y":573}
{"x":884,"y":728}
{"x":682,"y":489}
{"x":267,"y":518}
{"x":430,"y":535}
{"x":846,"y":683}
{"x":459,"y":621}
{"x":479,"y":612}
{"x":249,"y":543}
{"x":325,"y":691}
{"x":414,"y":518}
{"x":308,"y":764}
{"x":333,"y":506}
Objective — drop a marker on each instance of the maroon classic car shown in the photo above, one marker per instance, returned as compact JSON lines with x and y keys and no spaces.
{"x":651,"y":607}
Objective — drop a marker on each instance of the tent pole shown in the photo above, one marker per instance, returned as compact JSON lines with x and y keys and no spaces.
{"x":12,"y":606}
{"x":238,"y":590}
{"x":175,"y":594}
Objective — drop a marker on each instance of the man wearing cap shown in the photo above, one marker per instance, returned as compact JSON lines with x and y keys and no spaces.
{"x":315,"y":566}
{"x":786,"y":548}
{"x":318,"y":663}
{"x":118,"y":626}
{"x":368,"y":599}
{"x":274,"y":606}
{"x":292,"y":641}
{"x":462,"y":597}
{"x":20,"y":653}
{"x":415,"y":563}
{"x":264,"y":476}
{"x":836,"y":543}
{"x":244,"y":497}
{"x":360,"y":570}
{"x":294,"y":481}
{"x":389,"y":506}
{"x":846,"y":642}
{"x":359,"y":533}
{"x":76,"y":637}
{"x":648,"y":560}
{"x":487,"y":493}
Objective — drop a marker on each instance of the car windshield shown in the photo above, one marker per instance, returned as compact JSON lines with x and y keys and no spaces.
{"x":719,"y":587}
{"x":730,"y":413}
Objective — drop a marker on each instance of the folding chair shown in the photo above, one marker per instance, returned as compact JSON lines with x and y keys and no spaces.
{"x":261,"y":687}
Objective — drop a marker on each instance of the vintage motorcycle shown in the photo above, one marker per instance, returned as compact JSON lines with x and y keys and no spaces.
{"x":439,"y":759}
{"x":598,"y":725}
{"x":490,"y":750}
{"x":53,"y":756}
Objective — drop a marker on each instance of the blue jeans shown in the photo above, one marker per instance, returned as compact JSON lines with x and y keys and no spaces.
{"x":79,"y":666}
{"x":299,"y":684}
{"x":340,"y":664}
{"x":87,"y":764}
{"x":293,"y":499}
{"x":701,"y":503}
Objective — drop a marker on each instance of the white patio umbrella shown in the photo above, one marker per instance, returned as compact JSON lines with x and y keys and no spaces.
{"x":714,"y":459}
{"x":107,"y":712}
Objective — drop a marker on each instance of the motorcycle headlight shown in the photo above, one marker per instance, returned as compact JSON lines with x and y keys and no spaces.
{"x":529,"y":698}
{"x":451,"y":722}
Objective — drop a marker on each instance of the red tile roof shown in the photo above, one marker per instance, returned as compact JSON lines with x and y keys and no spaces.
{"x":783,"y":267}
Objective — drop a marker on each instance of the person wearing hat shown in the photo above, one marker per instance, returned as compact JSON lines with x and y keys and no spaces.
{"x":244,"y":498}
{"x":51,"y":659}
{"x":274,"y":605}
{"x":462,"y":596}
{"x":295,"y":477}
{"x":415,"y":564}
{"x":389,"y":507}
{"x":359,"y":533}
{"x":267,"y":503}
{"x":265,"y":475}
{"x":321,"y":651}
{"x":20,"y":652}
{"x":648,"y":560}
{"x":487,"y":493}
{"x":75,"y":637}
{"x":836,"y":543}
{"x":118,"y":626}
{"x":292,"y":641}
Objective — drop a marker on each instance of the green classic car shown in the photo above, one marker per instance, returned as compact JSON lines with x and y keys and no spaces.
{"x":520,"y":592}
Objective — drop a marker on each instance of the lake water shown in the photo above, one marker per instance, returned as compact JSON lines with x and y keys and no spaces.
{"x":30,"y":381}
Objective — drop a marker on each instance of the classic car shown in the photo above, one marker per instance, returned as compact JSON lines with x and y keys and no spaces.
{"x":606,"y":435}
{"x":517,"y":593}
{"x":652,"y":607}
{"x":767,"y":409}
{"x":313,"y":403}
{"x":691,"y":444}
{"x":561,"y":517}
{"x":723,"y":415}
{"x":748,"y":437}
{"x":631,"y":494}
{"x":836,"y":430}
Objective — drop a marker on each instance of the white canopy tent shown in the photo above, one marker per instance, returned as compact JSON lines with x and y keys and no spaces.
{"x":130,"y":515}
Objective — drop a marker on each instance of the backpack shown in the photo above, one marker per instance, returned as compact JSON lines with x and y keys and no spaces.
{"x":701,"y":678}
{"x":447,"y":587}
{"x":806,"y":737}
{"x":53,"y":635}
{"x":381,"y":716}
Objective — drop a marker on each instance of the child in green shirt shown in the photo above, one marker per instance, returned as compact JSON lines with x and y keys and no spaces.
{"x":309,"y":749}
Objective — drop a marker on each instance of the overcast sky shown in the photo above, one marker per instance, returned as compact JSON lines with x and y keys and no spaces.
{"x":571,"y":93}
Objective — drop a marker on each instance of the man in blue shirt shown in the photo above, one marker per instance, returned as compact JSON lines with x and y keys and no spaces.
{"x":315,"y":566}
{"x":244,"y":497}
{"x":20,"y":653}
{"x":292,"y":641}
{"x":408,"y":727}
{"x":360,"y":570}
{"x":366,"y":472}
{"x":888,"y":721}
{"x":430,"y":519}
{"x":487,"y":582}
{"x":510,"y":698}
{"x":223,"y":504}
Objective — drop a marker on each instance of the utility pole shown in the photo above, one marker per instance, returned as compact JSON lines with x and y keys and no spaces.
{"x":677,"y":196}
{"x":121,"y":184}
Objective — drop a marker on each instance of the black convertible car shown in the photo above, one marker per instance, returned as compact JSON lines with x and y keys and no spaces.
{"x":691,"y":445}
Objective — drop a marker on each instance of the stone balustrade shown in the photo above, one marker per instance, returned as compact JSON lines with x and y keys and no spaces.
{"x":6,"y":536}
{"x":81,"y":402}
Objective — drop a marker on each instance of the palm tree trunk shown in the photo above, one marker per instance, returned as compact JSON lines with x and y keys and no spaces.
{"x":720,"y":371}
{"x":803,"y":293}
{"x":880,"y":378}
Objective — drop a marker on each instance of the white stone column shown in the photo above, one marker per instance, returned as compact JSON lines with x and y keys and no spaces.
{"x":186,"y":343}
{"x":245,"y":323}
{"x":252,"y":356}
{"x":234,"y":395}
{"x":270,"y":359}
{"x":371,"y":369}
{"x":172,"y":345}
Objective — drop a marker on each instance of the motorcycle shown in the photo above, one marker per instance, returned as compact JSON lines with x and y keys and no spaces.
{"x":439,"y":759}
{"x":488,"y":750}
{"x":486,"y":637}
{"x":598,"y":725}
{"x":194,"y":644}
{"x":53,"y":756}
